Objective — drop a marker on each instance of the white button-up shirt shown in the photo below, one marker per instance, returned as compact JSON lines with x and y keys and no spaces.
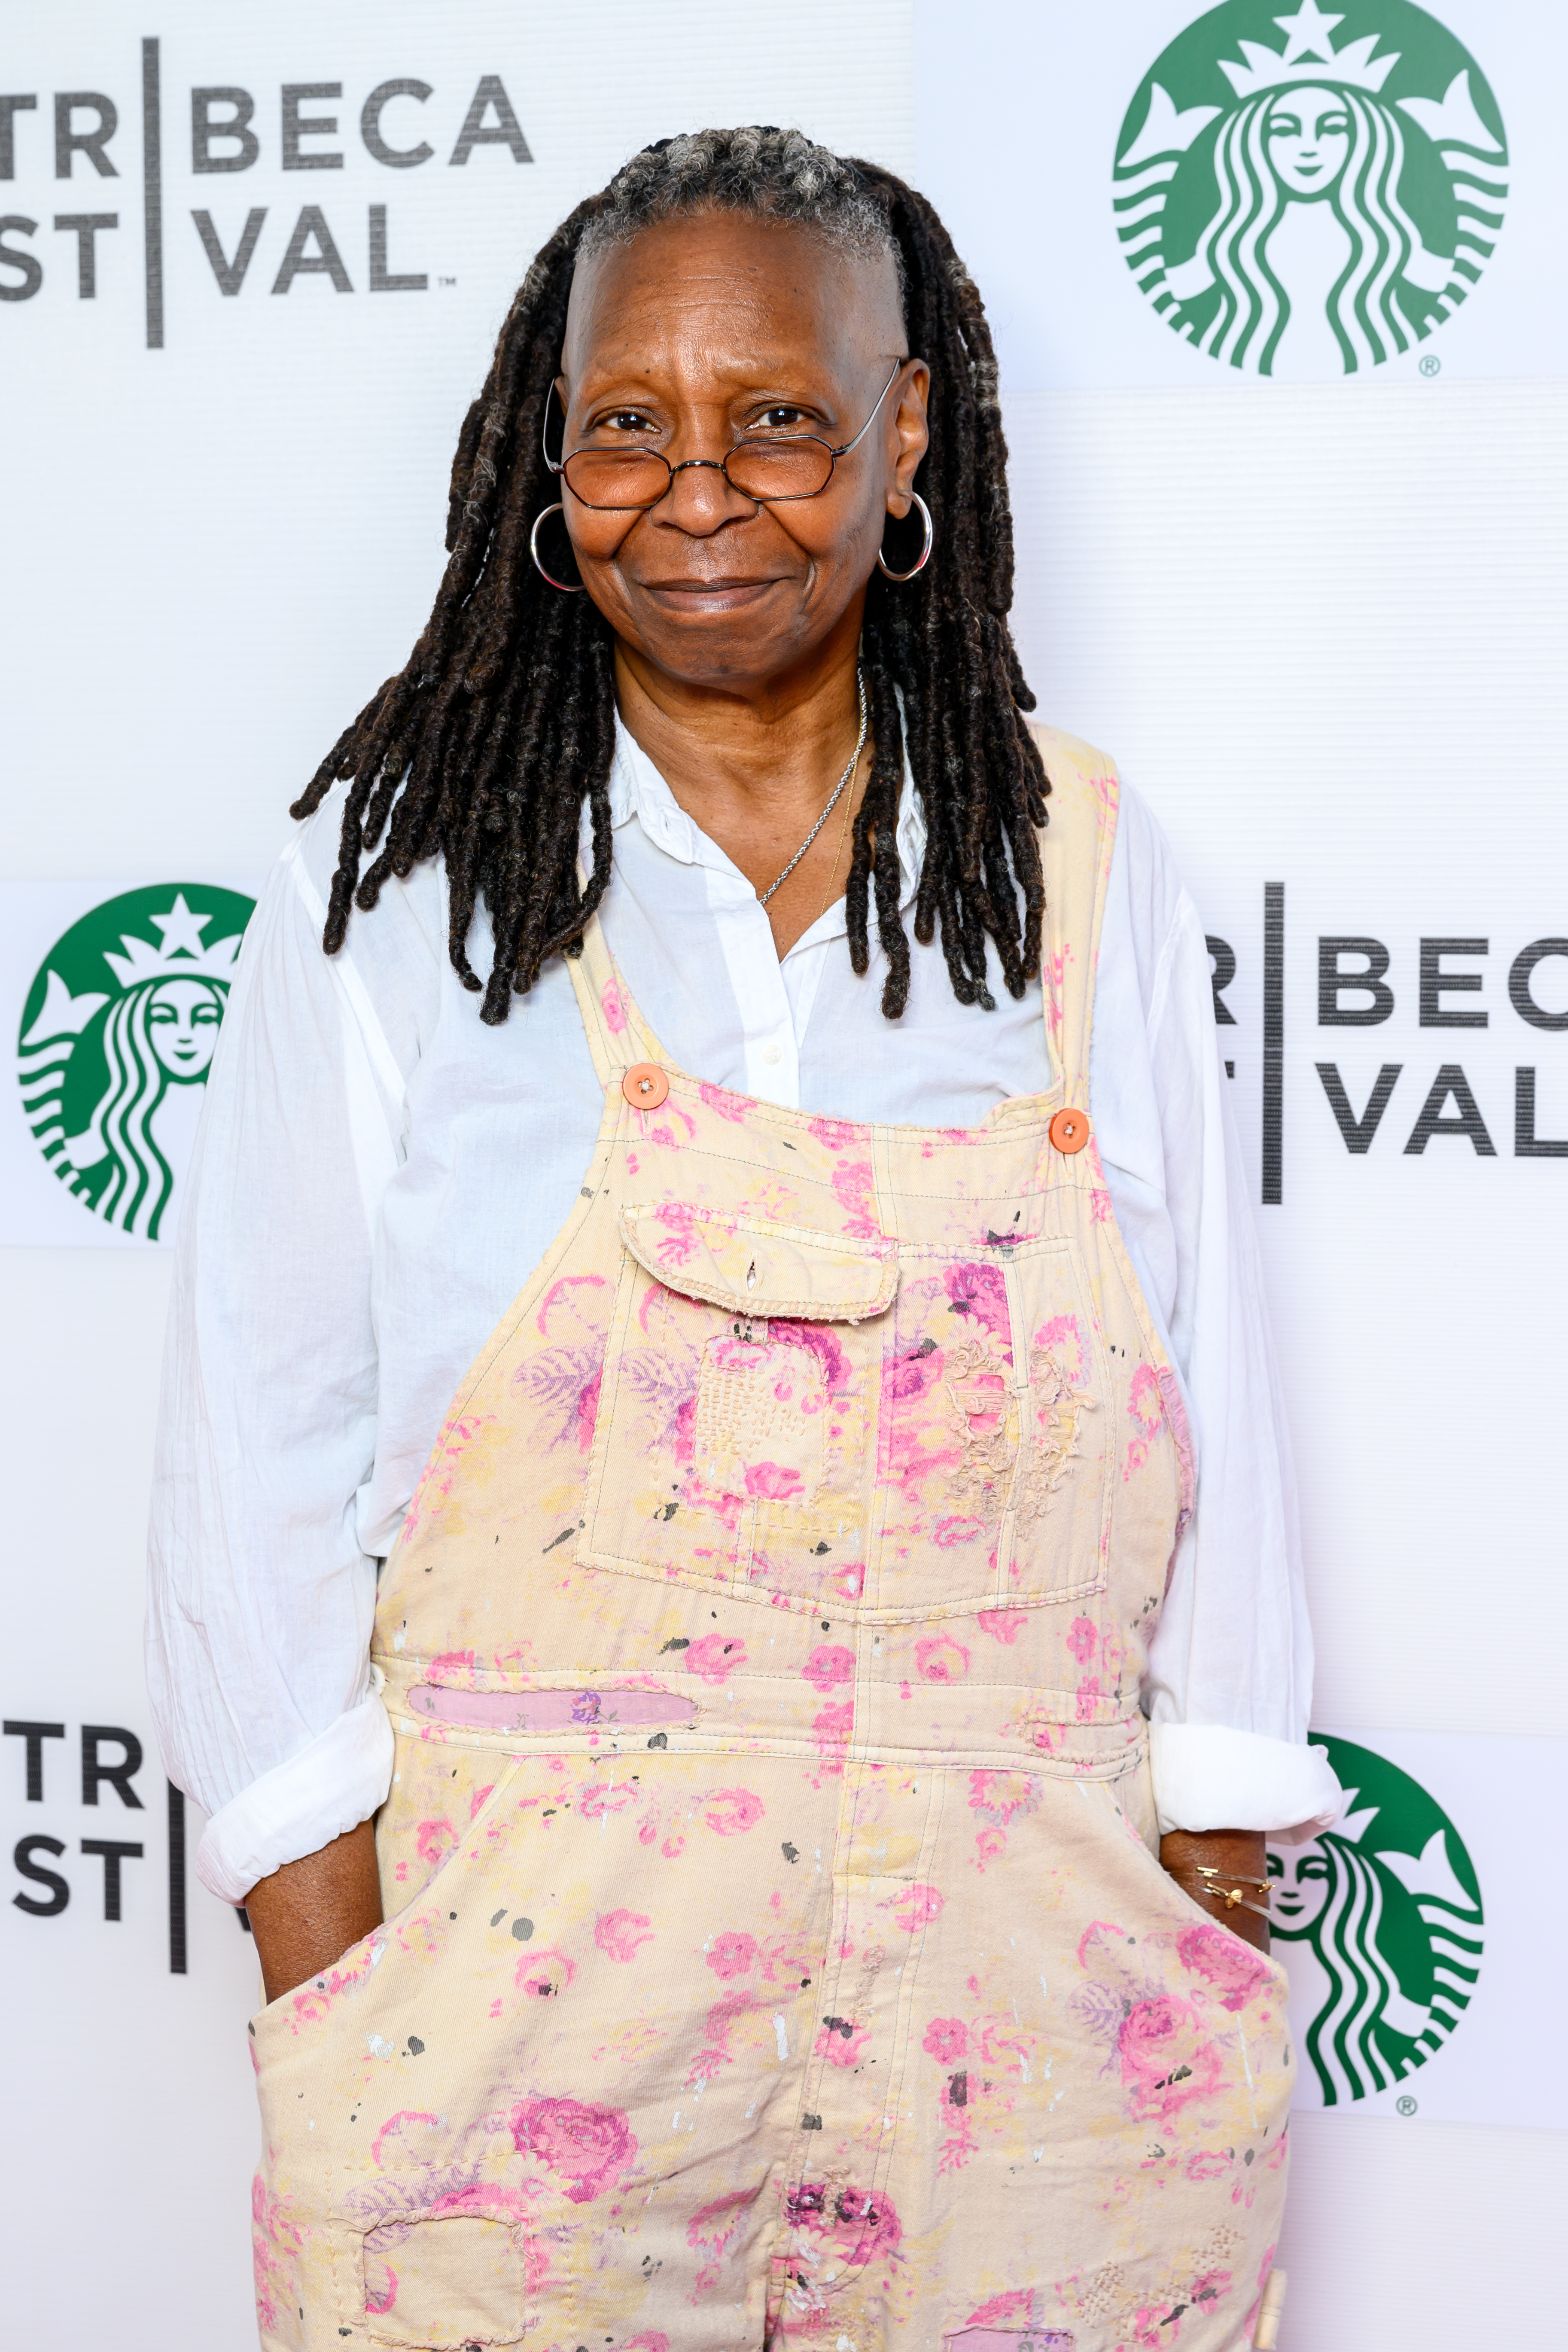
{"x":377,"y":1172}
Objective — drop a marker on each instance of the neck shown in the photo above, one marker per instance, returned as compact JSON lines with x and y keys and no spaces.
{"x":747,"y":748}
{"x":753,"y":765}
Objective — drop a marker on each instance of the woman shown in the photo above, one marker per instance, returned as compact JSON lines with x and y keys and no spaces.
{"x":774,"y":1947}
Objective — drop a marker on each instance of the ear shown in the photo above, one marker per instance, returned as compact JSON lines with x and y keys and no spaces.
{"x":912,"y":436}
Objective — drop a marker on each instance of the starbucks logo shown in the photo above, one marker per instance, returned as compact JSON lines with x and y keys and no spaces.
{"x":1306,"y":195}
{"x":1379,"y":1925}
{"x":117,"y":1037}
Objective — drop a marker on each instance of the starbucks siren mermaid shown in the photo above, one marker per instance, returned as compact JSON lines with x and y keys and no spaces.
{"x":1313,"y":223}
{"x":112,"y":1076}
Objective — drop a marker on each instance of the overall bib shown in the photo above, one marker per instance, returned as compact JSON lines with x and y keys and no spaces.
{"x":777,"y":1951}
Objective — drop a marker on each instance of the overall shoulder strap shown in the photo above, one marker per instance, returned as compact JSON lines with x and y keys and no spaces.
{"x":1074,"y":851}
{"x":617,"y":1034}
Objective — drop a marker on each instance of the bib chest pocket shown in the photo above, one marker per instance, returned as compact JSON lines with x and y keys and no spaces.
{"x":736,"y":1441}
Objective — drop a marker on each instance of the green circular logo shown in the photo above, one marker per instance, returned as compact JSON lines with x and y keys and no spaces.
{"x":1308,"y":194}
{"x":1379,"y":1923}
{"x":117,"y":1038}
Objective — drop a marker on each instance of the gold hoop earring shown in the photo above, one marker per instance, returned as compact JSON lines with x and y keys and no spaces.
{"x":924,"y":556}
{"x":567,"y":587}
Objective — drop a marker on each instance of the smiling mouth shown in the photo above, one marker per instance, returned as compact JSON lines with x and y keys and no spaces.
{"x":702,"y":590}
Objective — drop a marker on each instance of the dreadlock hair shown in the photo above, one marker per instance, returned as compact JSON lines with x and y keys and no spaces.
{"x":501,"y":725}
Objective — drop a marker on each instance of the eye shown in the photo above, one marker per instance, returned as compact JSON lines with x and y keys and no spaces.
{"x":624,"y":420}
{"x":781,"y":418}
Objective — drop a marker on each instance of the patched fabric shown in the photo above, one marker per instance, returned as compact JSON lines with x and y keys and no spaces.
{"x":1009,"y":2339}
{"x":776,"y":1950}
{"x":762,"y":1409}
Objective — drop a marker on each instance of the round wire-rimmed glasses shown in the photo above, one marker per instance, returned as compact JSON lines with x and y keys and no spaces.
{"x":769,"y":469}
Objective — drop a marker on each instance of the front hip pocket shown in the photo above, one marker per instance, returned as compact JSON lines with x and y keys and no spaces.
{"x":343,"y":2067}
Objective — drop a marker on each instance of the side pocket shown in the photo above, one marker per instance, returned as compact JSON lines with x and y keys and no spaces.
{"x":336,"y":2058}
{"x":310,"y":2004}
{"x":1181,"y":1911}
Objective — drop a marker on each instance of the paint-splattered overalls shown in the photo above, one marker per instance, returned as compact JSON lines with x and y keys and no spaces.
{"x":776,"y":1950}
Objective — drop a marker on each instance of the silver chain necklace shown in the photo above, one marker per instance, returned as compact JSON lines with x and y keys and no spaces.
{"x":834,"y":798}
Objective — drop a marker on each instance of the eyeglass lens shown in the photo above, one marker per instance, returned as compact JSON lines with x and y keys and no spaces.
{"x":795,"y":468}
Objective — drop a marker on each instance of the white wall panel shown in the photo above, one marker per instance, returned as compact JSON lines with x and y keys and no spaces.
{"x":1404,"y":2235}
{"x":1320,"y":626}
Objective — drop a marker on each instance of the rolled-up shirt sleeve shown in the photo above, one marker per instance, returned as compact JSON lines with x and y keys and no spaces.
{"x":261,"y":1598}
{"x":1229,"y":1679}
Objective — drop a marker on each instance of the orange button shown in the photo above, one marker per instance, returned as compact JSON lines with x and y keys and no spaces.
{"x":644,"y":1086}
{"x":1070,"y":1130}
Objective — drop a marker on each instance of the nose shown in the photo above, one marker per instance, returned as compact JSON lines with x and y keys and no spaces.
{"x":701,"y":498}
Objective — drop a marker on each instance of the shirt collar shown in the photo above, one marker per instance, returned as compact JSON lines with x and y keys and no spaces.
{"x":638,"y":794}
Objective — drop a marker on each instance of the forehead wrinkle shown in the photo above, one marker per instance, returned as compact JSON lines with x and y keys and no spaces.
{"x":704,"y":357}
{"x":691,"y":295}
{"x":677,"y":319}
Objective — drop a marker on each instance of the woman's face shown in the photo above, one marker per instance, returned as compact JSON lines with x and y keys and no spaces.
{"x":1300,"y":1876}
{"x":697,"y":333}
{"x":183,"y":1017}
{"x":1309,"y":138}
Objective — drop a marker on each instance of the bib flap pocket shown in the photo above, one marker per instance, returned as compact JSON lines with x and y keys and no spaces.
{"x":751,"y":1266}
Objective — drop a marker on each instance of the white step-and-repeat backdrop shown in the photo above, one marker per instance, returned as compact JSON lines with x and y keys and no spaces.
{"x":1279,"y":304}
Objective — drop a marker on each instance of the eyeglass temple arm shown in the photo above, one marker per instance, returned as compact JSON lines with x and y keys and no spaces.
{"x":557,"y":466}
{"x":872,"y":418}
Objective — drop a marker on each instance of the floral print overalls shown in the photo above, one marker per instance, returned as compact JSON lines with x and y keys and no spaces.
{"x":776,"y":1950}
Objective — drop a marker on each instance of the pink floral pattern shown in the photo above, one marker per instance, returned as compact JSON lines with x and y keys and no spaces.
{"x":769,"y":1875}
{"x":621,"y":1934}
{"x":584,"y":2146}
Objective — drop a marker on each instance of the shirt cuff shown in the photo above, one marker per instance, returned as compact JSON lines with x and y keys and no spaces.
{"x":330,"y":1785}
{"x":1209,"y":1778}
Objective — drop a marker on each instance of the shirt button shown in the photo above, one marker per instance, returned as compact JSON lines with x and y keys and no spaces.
{"x":772,"y":1056}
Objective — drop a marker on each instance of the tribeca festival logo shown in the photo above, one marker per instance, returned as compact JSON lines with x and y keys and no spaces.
{"x":117,"y":1038}
{"x":1378,"y":1923}
{"x":1354,"y":992}
{"x":1310,"y":194}
{"x":80,"y":134}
